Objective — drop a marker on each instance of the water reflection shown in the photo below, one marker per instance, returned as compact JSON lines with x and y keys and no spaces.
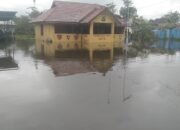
{"x":125,"y":79}
{"x":65,"y":66}
{"x":7,"y":61}
{"x":72,"y":94}
{"x":168,"y":45}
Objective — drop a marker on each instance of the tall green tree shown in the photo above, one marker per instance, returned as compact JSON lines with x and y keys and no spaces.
{"x":171,"y":19}
{"x":142,"y":32}
{"x":23,"y":25}
{"x":128,"y":10}
{"x":127,"y":3}
{"x":33,"y":12}
{"x":112,"y":7}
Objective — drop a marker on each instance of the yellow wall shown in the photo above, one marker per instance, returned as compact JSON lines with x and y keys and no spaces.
{"x":119,"y":40}
{"x":44,"y":40}
{"x":68,"y":41}
{"x":102,"y":41}
{"x":62,"y":42}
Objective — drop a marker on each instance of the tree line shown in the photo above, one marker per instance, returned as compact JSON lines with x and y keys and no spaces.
{"x":142,"y":28}
{"x":23,"y":25}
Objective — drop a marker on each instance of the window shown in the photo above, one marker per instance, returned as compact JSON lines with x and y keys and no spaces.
{"x":85,"y":29}
{"x":102,"y":28}
{"x":66,"y":28}
{"x":119,"y":30}
{"x":42,"y":30}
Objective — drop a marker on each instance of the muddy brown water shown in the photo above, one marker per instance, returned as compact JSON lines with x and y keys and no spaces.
{"x":141,"y":93}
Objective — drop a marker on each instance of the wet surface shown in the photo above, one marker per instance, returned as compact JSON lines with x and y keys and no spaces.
{"x":141,"y":93}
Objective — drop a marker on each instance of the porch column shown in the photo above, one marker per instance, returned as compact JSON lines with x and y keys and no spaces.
{"x":112,"y":28}
{"x":91,"y":55}
{"x":90,"y":42}
{"x":111,"y":54}
{"x":91,"y":28}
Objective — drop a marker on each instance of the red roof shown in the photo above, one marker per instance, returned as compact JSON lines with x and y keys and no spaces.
{"x":70,"y":12}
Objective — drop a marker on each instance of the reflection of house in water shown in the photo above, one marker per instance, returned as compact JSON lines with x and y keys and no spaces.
{"x":102,"y":62}
{"x":78,"y":26}
{"x":76,"y":66}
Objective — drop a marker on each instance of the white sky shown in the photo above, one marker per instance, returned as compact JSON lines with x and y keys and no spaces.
{"x":146,"y":8}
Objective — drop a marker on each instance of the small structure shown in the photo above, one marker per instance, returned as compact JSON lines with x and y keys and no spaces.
{"x":7,"y":24}
{"x":77,"y":26}
{"x":7,"y":63}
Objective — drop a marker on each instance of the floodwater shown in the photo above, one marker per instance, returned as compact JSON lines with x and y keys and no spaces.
{"x":140,"y":93}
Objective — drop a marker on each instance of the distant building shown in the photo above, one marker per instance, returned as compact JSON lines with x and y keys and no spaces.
{"x":76,"y":26}
{"x":7,"y":25}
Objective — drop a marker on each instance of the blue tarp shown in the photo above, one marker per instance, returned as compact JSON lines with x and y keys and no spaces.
{"x":168,"y":33}
{"x":167,"y":44}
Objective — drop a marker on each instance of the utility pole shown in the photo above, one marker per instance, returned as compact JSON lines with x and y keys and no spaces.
{"x":124,"y":97}
{"x":34,"y":1}
{"x":127,"y":31}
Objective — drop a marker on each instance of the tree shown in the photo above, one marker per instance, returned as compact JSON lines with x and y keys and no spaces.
{"x":128,"y":8}
{"x":34,"y":12}
{"x":171,"y":19}
{"x":127,"y":3}
{"x":142,"y":32}
{"x":23,"y":25}
{"x":111,"y":7}
{"x":132,"y":12}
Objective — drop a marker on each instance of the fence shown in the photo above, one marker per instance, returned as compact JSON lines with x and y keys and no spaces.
{"x":168,"y":33}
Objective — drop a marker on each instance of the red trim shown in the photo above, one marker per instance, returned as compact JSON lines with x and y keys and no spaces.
{"x":60,"y":46}
{"x":76,"y":46}
{"x":68,"y":37}
{"x":76,"y":37}
{"x":59,"y":37}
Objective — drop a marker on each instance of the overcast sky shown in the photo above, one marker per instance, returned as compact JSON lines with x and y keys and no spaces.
{"x":146,"y":8}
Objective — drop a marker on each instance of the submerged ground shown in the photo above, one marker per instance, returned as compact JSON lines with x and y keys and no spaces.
{"x":141,"y":93}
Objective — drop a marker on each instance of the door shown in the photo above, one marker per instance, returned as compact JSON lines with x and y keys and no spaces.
{"x":42,"y":49}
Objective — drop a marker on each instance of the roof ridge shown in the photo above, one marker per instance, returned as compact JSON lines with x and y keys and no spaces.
{"x":69,"y":12}
{"x":50,"y":13}
{"x":90,"y":14}
{"x":74,"y":2}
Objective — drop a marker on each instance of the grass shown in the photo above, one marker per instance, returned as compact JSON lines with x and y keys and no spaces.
{"x":24,"y":37}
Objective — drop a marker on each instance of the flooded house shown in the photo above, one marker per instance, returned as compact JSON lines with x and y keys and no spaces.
{"x":78,"y":26}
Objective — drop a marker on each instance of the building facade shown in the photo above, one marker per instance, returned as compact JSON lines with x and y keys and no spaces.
{"x":7,"y":25}
{"x":77,"y":26}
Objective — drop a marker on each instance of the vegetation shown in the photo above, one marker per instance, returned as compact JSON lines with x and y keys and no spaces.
{"x":167,"y":21}
{"x":23,"y":27}
{"x":128,"y":11}
{"x":142,"y":32}
{"x":111,"y":7}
